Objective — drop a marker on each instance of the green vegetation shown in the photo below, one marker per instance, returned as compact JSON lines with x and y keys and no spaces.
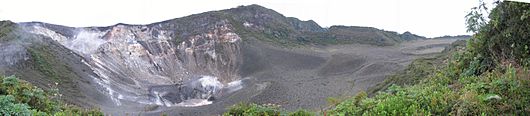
{"x":6,"y":30}
{"x":499,"y":92}
{"x":253,"y":110}
{"x":489,"y":76}
{"x":413,"y":74}
{"x":243,"y":109}
{"x":19,"y":98}
{"x":504,"y":40}
{"x":41,"y":58}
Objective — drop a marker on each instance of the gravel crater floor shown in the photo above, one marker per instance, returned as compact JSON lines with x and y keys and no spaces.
{"x":304,"y":77}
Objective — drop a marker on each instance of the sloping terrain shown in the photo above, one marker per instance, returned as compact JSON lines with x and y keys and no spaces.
{"x":485,"y":75}
{"x":488,"y":75}
{"x":178,"y":66}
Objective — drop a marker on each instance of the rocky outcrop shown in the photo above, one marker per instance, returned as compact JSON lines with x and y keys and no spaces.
{"x":409,"y":36}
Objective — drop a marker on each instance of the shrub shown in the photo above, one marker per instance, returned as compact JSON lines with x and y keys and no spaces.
{"x":301,"y":112}
{"x":243,"y":109}
{"x":10,"y":107}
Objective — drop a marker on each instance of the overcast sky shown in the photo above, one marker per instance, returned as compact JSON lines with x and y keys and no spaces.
{"x":424,"y":17}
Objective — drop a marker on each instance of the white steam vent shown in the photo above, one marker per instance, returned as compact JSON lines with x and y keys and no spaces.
{"x":202,"y":91}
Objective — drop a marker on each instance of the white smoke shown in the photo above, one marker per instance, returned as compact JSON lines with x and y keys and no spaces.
{"x":194,"y":103}
{"x":85,"y":42}
{"x":210,"y":87}
{"x":234,"y":86}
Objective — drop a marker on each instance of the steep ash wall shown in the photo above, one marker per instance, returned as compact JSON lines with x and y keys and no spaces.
{"x":129,"y":59}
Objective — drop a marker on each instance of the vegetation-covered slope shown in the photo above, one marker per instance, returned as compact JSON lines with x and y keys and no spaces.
{"x":41,"y":62}
{"x":20,"y":98}
{"x":489,"y":76}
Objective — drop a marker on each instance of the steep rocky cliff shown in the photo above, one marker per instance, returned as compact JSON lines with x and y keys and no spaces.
{"x":130,"y":59}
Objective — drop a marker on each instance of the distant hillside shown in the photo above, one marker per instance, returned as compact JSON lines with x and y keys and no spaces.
{"x":257,"y":22}
{"x":453,"y":37}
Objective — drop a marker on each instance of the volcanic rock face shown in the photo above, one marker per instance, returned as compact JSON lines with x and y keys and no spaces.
{"x":130,"y":59}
